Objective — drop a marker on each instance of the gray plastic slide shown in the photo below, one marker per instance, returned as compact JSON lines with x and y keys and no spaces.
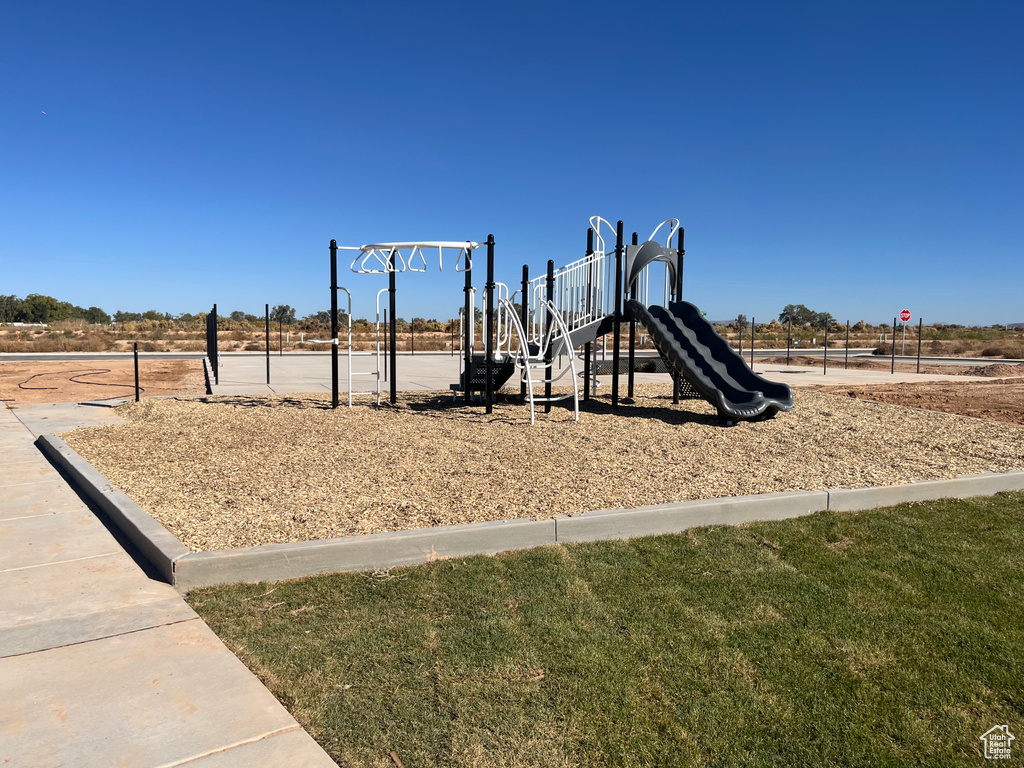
{"x":690,"y":344}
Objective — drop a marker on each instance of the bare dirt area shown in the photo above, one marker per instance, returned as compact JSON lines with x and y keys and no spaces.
{"x":240,"y":471}
{"x":881,"y":364}
{"x":78,"y":381}
{"x":1000,"y":400}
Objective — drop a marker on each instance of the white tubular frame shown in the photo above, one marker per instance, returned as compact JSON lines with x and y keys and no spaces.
{"x":412,"y":260}
{"x":349,"y":352}
{"x":526,"y":361}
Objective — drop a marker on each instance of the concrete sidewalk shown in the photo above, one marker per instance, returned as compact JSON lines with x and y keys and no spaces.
{"x":246,"y":374}
{"x":100,"y":665}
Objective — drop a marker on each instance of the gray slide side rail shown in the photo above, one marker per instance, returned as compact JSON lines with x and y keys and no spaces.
{"x":704,"y":359}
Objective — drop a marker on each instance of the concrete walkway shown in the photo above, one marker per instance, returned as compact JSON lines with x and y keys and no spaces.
{"x":246,"y":374}
{"x":100,"y":665}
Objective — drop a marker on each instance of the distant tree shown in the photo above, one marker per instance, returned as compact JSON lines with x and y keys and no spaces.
{"x":282,"y":313}
{"x":823,"y":319}
{"x":11,"y":309}
{"x":797,"y":314}
{"x":238,"y":316}
{"x":860,"y":326}
{"x":186,"y":318}
{"x":741,"y":322}
{"x":45,"y":309}
{"x":127,"y":317}
{"x":96,"y":316}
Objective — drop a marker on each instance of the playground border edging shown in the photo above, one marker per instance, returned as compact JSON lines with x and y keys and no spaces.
{"x":187,"y":570}
{"x":158,"y":544}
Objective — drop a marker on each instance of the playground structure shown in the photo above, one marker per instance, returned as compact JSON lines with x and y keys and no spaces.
{"x":563,"y":311}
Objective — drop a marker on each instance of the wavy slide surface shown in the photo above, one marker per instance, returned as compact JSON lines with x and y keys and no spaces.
{"x":690,"y":344}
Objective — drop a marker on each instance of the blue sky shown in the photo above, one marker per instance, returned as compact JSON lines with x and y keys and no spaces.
{"x":854,"y":157}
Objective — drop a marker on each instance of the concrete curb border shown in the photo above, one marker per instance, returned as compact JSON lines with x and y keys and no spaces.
{"x":378,"y":551}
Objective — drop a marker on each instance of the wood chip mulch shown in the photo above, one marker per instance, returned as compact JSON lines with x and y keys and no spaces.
{"x":240,"y":471}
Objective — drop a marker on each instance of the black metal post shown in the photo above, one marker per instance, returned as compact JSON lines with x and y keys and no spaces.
{"x":136,"y":352}
{"x":847,"y":345}
{"x":920,"y":333}
{"x":215,"y":360}
{"x":489,"y":338}
{"x":789,"y":338}
{"x":632,"y":337}
{"x":412,"y":336}
{"x":334,"y":327}
{"x":386,"y":347}
{"x":548,"y":329}
{"x":280,"y":337}
{"x":524,"y":311}
{"x":589,"y":346}
{"x":680,"y":253}
{"x":467,"y":330}
{"x":451,"y":327}
{"x":751,"y":342}
{"x":892,"y":367}
{"x":617,"y":318}
{"x":394,"y":328}
{"x":740,"y":326}
{"x":825,"y":368}
{"x":266,"y":328}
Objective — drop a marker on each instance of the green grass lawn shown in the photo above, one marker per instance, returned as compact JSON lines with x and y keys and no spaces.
{"x":889,"y":637}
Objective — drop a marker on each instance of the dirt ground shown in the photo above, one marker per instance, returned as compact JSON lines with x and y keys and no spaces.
{"x":999,"y":400}
{"x":69,"y":381}
{"x":240,"y":471}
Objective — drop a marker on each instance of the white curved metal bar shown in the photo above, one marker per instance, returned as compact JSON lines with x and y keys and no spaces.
{"x":523,"y":355}
{"x":595,"y":224}
{"x":673,"y":229}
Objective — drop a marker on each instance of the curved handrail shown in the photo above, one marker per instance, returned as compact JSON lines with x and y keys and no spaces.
{"x":595,"y":224}
{"x":674,"y":228}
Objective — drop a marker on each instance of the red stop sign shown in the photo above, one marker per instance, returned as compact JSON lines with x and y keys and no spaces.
{"x":905,"y":315}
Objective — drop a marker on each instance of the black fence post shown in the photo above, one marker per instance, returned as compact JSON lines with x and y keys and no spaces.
{"x":386,"y":326}
{"x":412,"y":336}
{"x":280,"y":337}
{"x":211,"y":344}
{"x":548,"y":332}
{"x":489,"y":339}
{"x":892,"y":367}
{"x":136,"y":353}
{"x":632,"y":337}
{"x":789,"y":338}
{"x":751,"y":342}
{"x":825,"y":368}
{"x":617,"y":318}
{"x":920,"y":333}
{"x":266,"y":329}
{"x":847,"y":344}
{"x":334,"y":327}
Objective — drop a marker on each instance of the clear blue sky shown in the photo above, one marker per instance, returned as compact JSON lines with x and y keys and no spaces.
{"x":855,"y":157}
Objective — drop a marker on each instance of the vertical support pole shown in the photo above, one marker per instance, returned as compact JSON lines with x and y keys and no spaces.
{"x":386,"y":346}
{"x":266,"y":329}
{"x":334,"y":327}
{"x":920,"y":333}
{"x":847,"y":366}
{"x":549,"y":328}
{"x":412,"y":336}
{"x":216,"y":354}
{"x":393,"y":329}
{"x":825,"y":368}
{"x":280,"y":337}
{"x":892,"y":367}
{"x":524,"y":311}
{"x":451,"y":326}
{"x":489,"y":330}
{"x":588,"y":348}
{"x":467,"y":330}
{"x":741,"y":338}
{"x":789,"y":338}
{"x":680,"y":253}
{"x":751,"y":342}
{"x":617,"y":318}
{"x":632,"y":338}
{"x":136,"y":352}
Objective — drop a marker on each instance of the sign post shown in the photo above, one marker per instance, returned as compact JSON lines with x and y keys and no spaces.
{"x":905,"y":317}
